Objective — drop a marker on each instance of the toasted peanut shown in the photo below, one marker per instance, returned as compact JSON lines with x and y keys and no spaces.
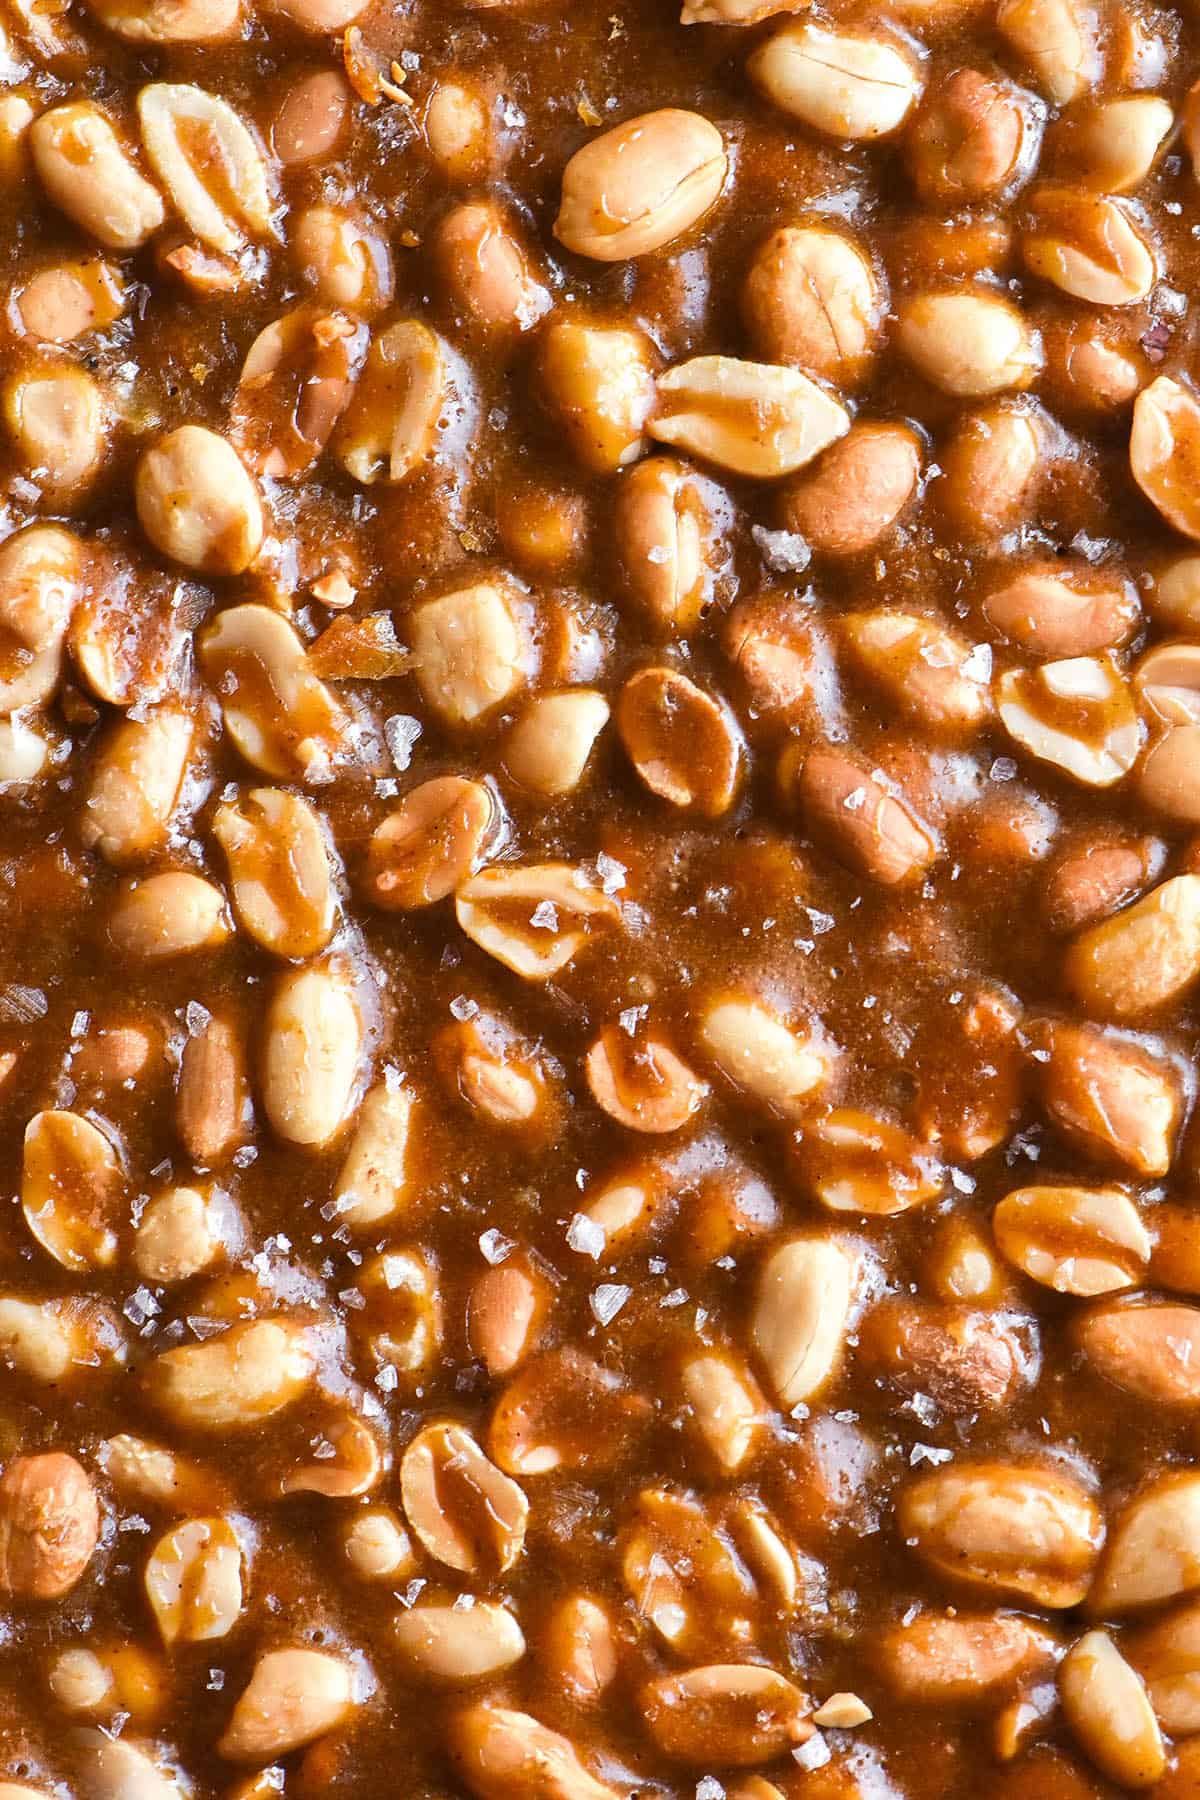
{"x":348,"y":1460}
{"x":401,"y":1309}
{"x":175,"y":914}
{"x":856,"y":491}
{"x":640,"y":185}
{"x":579,"y":1647}
{"x":505,"y":1314}
{"x":1140,"y":959}
{"x":182,"y":1231}
{"x":281,"y":716}
{"x":373,"y":1184}
{"x":293,"y":1697}
{"x":376,"y":1545}
{"x":969,"y":343}
{"x":929,"y":674}
{"x":990,"y":468}
{"x":1057,"y":38}
{"x":311,"y":119}
{"x":314,"y":1042}
{"x":1109,"y":1712}
{"x":956,"y":1659}
{"x":72,"y":1190}
{"x":1152,"y":1350}
{"x":964,"y":1360}
{"x":155,"y":1476}
{"x":170,"y":21}
{"x":845,"y":85}
{"x":1077,"y":715}
{"x":426,"y":849}
{"x":548,"y":748}
{"x":466,"y":1512}
{"x":969,"y":140}
{"x":1090,"y":247}
{"x":812,"y":297}
{"x":1153,"y":1549}
{"x":193,"y":1580}
{"x":212,"y":1107}
{"x":683,"y":743}
{"x":1058,"y":611}
{"x":1092,"y":881}
{"x":296,"y":382}
{"x":67,"y":300}
{"x":801,"y":1315}
{"x":119,"y":1769}
{"x":57,"y":1341}
{"x":1111,"y":1098}
{"x":534,"y":920}
{"x":197,"y":503}
{"x":598,"y":384}
{"x":1075,"y":1240}
{"x":392,"y":423}
{"x":470,"y":650}
{"x":501,"y":1754}
{"x":136,"y":782}
{"x":452,"y":1645}
{"x":343,"y":260}
{"x":730,"y":1713}
{"x":683,"y":1575}
{"x":1164,"y":448}
{"x":855,"y":1161}
{"x":233,"y":1381}
{"x":41,"y":571}
{"x":209,"y":162}
{"x":279,"y":870}
{"x":783,"y":1067}
{"x":1023,"y":1530}
{"x":1167,"y":1657}
{"x":57,"y":421}
{"x":868,"y":827}
{"x":86,"y":171}
{"x":564,"y":1411}
{"x":49,"y":1526}
{"x":459,"y":131}
{"x":727,"y":1407}
{"x":1112,"y":145}
{"x":664,"y":521}
{"x":485,"y":270}
{"x":641,"y":1083}
{"x":758,"y":419}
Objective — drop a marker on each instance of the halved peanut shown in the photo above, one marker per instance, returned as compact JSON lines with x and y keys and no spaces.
{"x":684,"y":743}
{"x":812,"y":297}
{"x":197,"y":503}
{"x":727,"y":1407}
{"x":87,"y":172}
{"x":454,"y":1645}
{"x":736,"y":1714}
{"x":579,"y":1647}
{"x":1149,"y":1349}
{"x":41,"y":574}
{"x":281,"y":716}
{"x":929,"y":673}
{"x":664,"y":521}
{"x":564,"y":1411}
{"x":802,"y":1313}
{"x":212,"y":1105}
{"x":1111,"y":1098}
{"x":1112,"y":145}
{"x":312,"y":1053}
{"x":135,"y":786}
{"x":59,"y":1342}
{"x":176,"y":914}
{"x":208,"y":160}
{"x":868,"y":826}
{"x":641,"y":1083}
{"x":1109,"y":1712}
{"x":1168,"y":680}
{"x":1167,"y":1657}
{"x":471,"y":650}
{"x":292,"y":1698}
{"x":966,"y":1361}
{"x":1023,"y":1530}
{"x":970,"y":140}
{"x":466,"y":1512}
{"x":1075,"y":1240}
{"x":58,"y":424}
{"x":1164,"y":451}
{"x":991,"y":468}
{"x":234,"y":1381}
{"x":957,"y":1659}
{"x":279,"y":870}
{"x":193,"y":1580}
{"x":503,"y":1077}
{"x":535,"y":919}
{"x":1089,"y":246}
{"x":120,"y":1769}
{"x":507,"y":1307}
{"x":401,"y":1314}
{"x":170,"y":21}
{"x":856,"y":491}
{"x":348,"y":1460}
{"x":1077,"y":715}
{"x":781,"y":1066}
{"x":182,"y":1231}
{"x":684,"y":1576}
{"x":598,"y":384}
{"x":1153,"y":1547}
{"x":343,"y":258}
{"x":485,"y":269}
{"x":855,"y":1161}
{"x":432,"y":842}
{"x":549,"y":747}
{"x":1094,"y":879}
{"x":840,"y":83}
{"x":72,"y":1190}
{"x":392,"y":423}
{"x":295,"y":383}
{"x":757,"y":419}
{"x":969,"y":343}
{"x":374,"y":1180}
{"x":49,"y":1526}
{"x":1140,"y":959}
{"x":640,"y":185}
{"x":1058,"y":39}
{"x":1057,"y":610}
{"x":501,"y":1754}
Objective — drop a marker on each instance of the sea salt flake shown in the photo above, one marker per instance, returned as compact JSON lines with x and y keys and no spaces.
{"x":607,"y":1300}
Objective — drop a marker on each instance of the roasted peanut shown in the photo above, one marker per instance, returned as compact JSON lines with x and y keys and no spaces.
{"x":641,"y":185}
{"x":641,"y":1083}
{"x":664,"y":520}
{"x":1148,"y":1349}
{"x":49,"y":1526}
{"x":757,"y":419}
{"x":929,"y":674}
{"x":197,"y":503}
{"x":683,"y":743}
{"x":470,"y":650}
{"x":1164,"y":446}
{"x":1075,"y":1240}
{"x":783,"y":1067}
{"x":1022,"y":1530}
{"x":486,"y":271}
{"x":1111,"y":1098}
{"x":176,"y":914}
{"x":313,"y":1048}
{"x":466,"y":1512}
{"x":869,"y":827}
{"x":812,"y":297}
{"x":87,"y":172}
{"x":233,"y":1381}
{"x":802,"y":1314}
{"x":498,"y":1753}
{"x":293,"y":1697}
{"x":1109,"y":1711}
{"x":970,"y":140}
{"x":208,"y":160}
{"x":735,"y":1714}
{"x":1135,"y":962}
{"x":426,"y":849}
{"x":969,"y":343}
{"x":279,"y":870}
{"x":598,"y":385}
{"x":956,"y":1659}
{"x":1058,"y":39}
{"x":279,"y":713}
{"x":845,"y":85}
{"x":534,"y":920}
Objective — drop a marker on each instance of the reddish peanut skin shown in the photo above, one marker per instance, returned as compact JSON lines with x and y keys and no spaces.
{"x":1092,"y":880}
{"x":966,"y":1361}
{"x":856,"y":491}
{"x":868,"y":828}
{"x":49,"y":1526}
{"x":1152,"y":1350}
{"x":1110,"y":1097}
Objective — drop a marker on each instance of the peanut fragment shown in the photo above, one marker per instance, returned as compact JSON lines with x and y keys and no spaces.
{"x":684,"y":744}
{"x":432,"y":842}
{"x":233,"y":1381}
{"x":1058,"y":39}
{"x":391,"y":427}
{"x":534,"y":920}
{"x":1081,"y":1241}
{"x":374,"y":1180}
{"x":1077,"y":715}
{"x":193,"y":1580}
{"x":118,"y":1769}
{"x":757,"y":419}
{"x":801,"y":1315}
{"x":1164,"y":451}
{"x":292,"y":1698}
{"x":182,"y":1231}
{"x":280,"y":715}
{"x":72,"y":1190}
{"x":1140,"y":959}
{"x":731,"y":1713}
{"x":1153,"y":1551}
{"x":466,"y":1512}
{"x":1025,"y":1531}
{"x":637,"y":187}
{"x":49,"y":1526}
{"x":1109,"y":1711}
{"x":279,"y":870}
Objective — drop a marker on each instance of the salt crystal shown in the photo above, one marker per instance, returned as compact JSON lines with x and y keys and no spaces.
{"x":495,"y":1246}
{"x":607,"y":1300}
{"x":585,"y":1236}
{"x":400,"y":733}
